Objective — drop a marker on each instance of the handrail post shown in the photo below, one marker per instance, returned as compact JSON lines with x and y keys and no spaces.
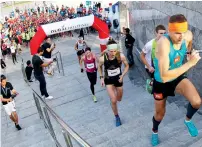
{"x":57,"y":64}
{"x":61,"y":64}
{"x":37,"y":106}
{"x":49,"y":124}
{"x":23,"y":71}
{"x":39,"y":109}
{"x":67,"y":139}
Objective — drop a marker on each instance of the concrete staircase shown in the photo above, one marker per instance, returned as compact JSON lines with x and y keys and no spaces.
{"x":94,"y":121}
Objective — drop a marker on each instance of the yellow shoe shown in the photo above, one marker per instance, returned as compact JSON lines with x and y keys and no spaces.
{"x":94,"y":98}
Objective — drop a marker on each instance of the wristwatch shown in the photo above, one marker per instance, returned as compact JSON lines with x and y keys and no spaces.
{"x":101,"y":77}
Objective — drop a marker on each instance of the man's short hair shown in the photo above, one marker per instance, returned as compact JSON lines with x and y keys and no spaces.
{"x":3,"y":77}
{"x":40,"y":50}
{"x":28,"y":62}
{"x":160,"y":27}
{"x":127,"y":30}
{"x":179,"y":18}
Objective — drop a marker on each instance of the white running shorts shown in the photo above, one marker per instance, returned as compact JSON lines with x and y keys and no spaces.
{"x":10,"y":107}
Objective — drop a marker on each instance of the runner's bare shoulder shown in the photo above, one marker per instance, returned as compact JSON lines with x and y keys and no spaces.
{"x":162,"y":43}
{"x":123,"y":57}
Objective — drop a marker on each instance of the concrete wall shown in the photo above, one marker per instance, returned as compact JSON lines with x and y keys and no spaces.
{"x":144,"y":16}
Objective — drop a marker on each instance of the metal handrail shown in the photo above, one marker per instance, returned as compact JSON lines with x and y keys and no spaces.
{"x":60,"y":57}
{"x":64,"y":126}
{"x":66,"y":130}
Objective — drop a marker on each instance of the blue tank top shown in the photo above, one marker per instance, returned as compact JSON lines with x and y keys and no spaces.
{"x":176,"y":59}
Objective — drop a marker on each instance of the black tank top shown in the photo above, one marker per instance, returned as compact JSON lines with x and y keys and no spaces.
{"x":112,"y":68}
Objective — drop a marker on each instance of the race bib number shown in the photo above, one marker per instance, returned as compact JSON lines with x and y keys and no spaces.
{"x":90,"y":66}
{"x":115,"y":72}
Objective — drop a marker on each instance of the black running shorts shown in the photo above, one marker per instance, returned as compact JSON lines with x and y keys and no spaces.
{"x":163,"y":90}
{"x":79,"y":53}
{"x":113,"y":82}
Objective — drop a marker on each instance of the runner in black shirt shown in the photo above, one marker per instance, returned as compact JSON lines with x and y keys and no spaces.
{"x":7,"y":95}
{"x":113,"y":75}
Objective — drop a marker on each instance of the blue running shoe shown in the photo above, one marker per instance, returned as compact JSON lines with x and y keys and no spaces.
{"x":154,"y":139}
{"x":118,"y":121}
{"x":191,"y":127}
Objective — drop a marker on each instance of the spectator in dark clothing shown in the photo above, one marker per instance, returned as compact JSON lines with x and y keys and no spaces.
{"x":16,"y":39}
{"x":38,"y":8}
{"x":38,"y":65}
{"x":129,"y":42}
{"x":28,"y":71}
{"x":81,"y":34}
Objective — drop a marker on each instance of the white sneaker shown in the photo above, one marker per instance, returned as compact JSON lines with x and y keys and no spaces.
{"x":49,"y":97}
{"x":43,"y":96}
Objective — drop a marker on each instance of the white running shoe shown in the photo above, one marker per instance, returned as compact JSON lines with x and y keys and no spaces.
{"x":49,"y":97}
{"x":43,"y":96}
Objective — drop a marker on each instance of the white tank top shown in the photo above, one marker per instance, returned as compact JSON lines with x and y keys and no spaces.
{"x":81,"y":46}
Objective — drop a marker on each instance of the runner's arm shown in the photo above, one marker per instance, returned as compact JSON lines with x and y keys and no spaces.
{"x":42,"y":64}
{"x":4,"y":99}
{"x":76,"y":48}
{"x":100,"y":64}
{"x":123,"y":59}
{"x":143,"y":59}
{"x":163,"y":48}
{"x":81,"y":62}
{"x":14,"y":91}
{"x":189,"y":38}
{"x":51,"y":48}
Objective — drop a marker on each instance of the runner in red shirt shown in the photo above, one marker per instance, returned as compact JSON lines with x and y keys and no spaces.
{"x":89,"y":60}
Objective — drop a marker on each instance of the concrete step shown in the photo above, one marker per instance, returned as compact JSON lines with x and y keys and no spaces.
{"x":182,"y":137}
{"x":131,"y":132}
{"x":44,"y":143}
{"x":27,"y":136}
{"x":24,"y":122}
{"x":175,"y":128}
{"x":197,"y":144}
{"x":166,"y":132}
